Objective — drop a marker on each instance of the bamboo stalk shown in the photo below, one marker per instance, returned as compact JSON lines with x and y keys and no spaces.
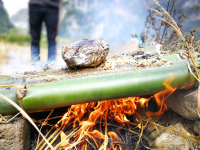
{"x":84,"y":90}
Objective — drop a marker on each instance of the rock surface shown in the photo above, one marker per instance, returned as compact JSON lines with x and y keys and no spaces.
{"x":153,"y":131}
{"x":15,"y":136}
{"x":170,"y":140}
{"x":184,"y":102}
{"x":85,"y":53}
{"x":197,"y":127}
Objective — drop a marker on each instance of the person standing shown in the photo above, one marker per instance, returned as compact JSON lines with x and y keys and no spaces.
{"x":46,"y":11}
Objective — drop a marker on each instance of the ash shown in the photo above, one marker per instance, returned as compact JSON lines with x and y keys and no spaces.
{"x":136,"y":59}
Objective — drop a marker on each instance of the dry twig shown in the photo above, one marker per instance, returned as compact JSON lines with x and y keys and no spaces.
{"x":44,"y":123}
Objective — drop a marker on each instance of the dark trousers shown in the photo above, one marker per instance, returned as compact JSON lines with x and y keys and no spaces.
{"x":38,"y":14}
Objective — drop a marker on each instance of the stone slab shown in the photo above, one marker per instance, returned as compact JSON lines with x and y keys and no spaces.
{"x":15,"y":135}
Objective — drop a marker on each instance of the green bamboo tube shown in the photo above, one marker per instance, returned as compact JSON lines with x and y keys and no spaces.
{"x":5,"y":107}
{"x":137,"y":83}
{"x":83,"y":90}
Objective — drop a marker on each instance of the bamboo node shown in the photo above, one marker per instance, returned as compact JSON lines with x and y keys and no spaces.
{"x":21,"y":93}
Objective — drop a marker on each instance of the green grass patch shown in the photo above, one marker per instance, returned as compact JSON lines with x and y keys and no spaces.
{"x":22,"y":39}
{"x":19,"y":39}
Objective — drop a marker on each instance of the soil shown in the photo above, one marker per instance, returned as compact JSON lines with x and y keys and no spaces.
{"x":12,"y":56}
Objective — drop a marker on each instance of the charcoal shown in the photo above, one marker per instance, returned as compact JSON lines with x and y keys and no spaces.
{"x":147,"y":56}
{"x":140,"y":53}
{"x":132,"y":55}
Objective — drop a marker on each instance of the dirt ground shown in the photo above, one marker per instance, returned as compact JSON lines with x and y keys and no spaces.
{"x":13,"y":55}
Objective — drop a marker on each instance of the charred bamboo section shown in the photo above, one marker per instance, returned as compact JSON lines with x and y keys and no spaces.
{"x":107,"y":87}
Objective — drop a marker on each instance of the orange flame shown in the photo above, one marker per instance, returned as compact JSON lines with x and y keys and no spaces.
{"x":92,"y":117}
{"x":162,"y":96}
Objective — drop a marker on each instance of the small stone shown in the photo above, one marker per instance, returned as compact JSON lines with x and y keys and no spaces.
{"x":140,"y":53}
{"x":170,"y":140}
{"x":159,"y":63}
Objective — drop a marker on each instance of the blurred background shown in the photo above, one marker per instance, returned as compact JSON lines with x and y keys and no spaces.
{"x":113,"y":20}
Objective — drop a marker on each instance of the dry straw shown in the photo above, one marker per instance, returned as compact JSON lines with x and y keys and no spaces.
{"x":172,"y":23}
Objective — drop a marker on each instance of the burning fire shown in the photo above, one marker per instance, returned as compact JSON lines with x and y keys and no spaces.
{"x":92,"y":120}
{"x":162,"y":96}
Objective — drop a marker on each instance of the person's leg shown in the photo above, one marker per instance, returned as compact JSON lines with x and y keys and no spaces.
{"x":36,"y":16}
{"x":51,"y":21}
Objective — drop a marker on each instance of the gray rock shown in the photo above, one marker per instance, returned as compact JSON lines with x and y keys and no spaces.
{"x":170,"y":140}
{"x":184,"y":102}
{"x":197,"y":127}
{"x":174,"y":120}
{"x":155,"y":133}
{"x":15,"y":136}
{"x":85,"y":53}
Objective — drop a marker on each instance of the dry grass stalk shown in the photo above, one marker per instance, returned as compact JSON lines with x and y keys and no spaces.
{"x":56,"y":133}
{"x":15,"y":86}
{"x":69,"y":136}
{"x":44,"y":123}
{"x":142,"y":129}
{"x":47,"y":119}
{"x":3,"y":119}
{"x":171,"y":22}
{"x":41,"y":122}
{"x":193,"y":138}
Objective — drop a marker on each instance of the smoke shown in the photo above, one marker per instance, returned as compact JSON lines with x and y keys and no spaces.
{"x":112,"y":20}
